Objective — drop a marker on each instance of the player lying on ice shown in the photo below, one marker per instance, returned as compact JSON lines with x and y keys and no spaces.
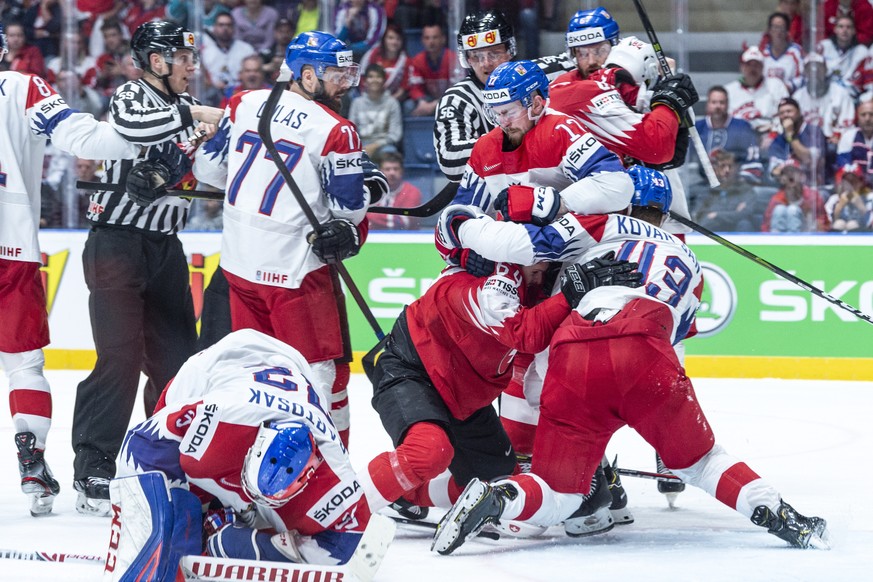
{"x":612,"y":363}
{"x":242,"y":426}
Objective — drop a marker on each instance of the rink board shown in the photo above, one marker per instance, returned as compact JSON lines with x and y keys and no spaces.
{"x":752,"y":323}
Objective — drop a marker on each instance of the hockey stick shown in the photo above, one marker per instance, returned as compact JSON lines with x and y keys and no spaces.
{"x":771,"y":267}
{"x":646,"y":475}
{"x":265,"y":133}
{"x":199,"y":194}
{"x":52,"y":557}
{"x":692,"y":130}
{"x":429,"y":208}
{"x":491,"y":535}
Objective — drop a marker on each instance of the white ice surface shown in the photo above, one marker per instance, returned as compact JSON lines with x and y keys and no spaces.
{"x":812,"y":440}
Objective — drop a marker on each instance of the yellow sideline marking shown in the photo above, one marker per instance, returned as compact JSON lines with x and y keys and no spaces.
{"x":791,"y":368}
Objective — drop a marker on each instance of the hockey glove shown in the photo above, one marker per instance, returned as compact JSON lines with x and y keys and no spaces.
{"x":676,"y":92}
{"x":165,"y":165}
{"x":679,"y":154}
{"x":451,"y":218}
{"x":472,"y":262}
{"x":335,"y":241}
{"x":538,"y":206}
{"x":374,"y":179}
{"x":578,"y":280}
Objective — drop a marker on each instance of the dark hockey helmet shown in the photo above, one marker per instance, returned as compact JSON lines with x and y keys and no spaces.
{"x":160,"y":37}
{"x":279,"y":463}
{"x":651,"y":189}
{"x":320,"y":50}
{"x":3,"y":45}
{"x":515,"y":81}
{"x":590,"y":27}
{"x":482,"y":29}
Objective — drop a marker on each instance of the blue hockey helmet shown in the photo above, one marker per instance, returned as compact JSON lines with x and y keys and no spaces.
{"x":590,"y":27}
{"x":515,"y":81}
{"x":279,"y":463}
{"x":651,"y":189}
{"x":320,"y":50}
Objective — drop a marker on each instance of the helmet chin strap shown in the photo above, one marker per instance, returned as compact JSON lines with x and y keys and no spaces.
{"x":315,"y":96}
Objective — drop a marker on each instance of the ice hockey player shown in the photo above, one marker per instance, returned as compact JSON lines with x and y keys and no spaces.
{"x":583,"y":404}
{"x":485,"y":40}
{"x":277,"y":267}
{"x":240,"y":425}
{"x":32,"y":113}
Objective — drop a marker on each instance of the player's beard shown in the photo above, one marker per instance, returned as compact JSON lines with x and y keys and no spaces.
{"x":334,"y":103}
{"x":514,"y":137}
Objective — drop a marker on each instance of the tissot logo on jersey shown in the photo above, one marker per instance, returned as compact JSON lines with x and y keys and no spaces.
{"x":199,"y":437}
{"x":339,"y":497}
{"x":601,"y":103}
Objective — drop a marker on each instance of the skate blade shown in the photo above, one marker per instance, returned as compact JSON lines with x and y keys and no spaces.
{"x":671,"y":499}
{"x":448,"y":534}
{"x":95,"y":507}
{"x":820,"y":540}
{"x":597,"y":523}
{"x":41,"y":505}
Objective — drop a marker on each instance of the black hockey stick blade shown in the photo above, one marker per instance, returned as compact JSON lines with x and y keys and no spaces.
{"x":771,"y":267}
{"x":103,"y":187}
{"x":645,"y":474}
{"x":491,"y":535}
{"x":442,"y":199}
{"x":265,"y":133}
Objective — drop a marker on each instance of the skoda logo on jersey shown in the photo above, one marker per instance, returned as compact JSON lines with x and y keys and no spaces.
{"x":718,"y":302}
{"x":586,"y":36}
{"x":497,"y":96}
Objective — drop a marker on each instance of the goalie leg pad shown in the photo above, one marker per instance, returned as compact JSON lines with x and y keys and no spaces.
{"x":245,"y":543}
{"x":152,"y":528}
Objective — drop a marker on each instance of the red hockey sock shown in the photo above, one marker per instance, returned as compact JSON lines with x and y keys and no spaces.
{"x":339,"y":402}
{"x":732,"y":481}
{"x":424,"y":453}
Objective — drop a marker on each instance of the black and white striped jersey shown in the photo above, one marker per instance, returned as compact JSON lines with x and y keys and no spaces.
{"x":461,"y":120}
{"x":145,"y":116}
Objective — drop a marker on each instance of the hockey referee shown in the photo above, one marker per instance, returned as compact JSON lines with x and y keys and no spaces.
{"x":142,"y":314}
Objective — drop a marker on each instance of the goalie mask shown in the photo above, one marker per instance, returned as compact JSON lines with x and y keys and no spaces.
{"x":483,"y":29}
{"x":651,"y":189}
{"x":279,"y":463}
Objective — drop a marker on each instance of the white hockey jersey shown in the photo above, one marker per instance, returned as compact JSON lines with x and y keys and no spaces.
{"x":32,"y":113}
{"x":671,"y":273}
{"x":264,"y":238}
{"x":757,"y":105}
{"x":833,"y":112}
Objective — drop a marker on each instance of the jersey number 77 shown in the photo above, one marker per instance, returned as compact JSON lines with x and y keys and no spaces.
{"x":292,"y":152}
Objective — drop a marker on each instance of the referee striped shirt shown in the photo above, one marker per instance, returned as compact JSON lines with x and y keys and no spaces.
{"x":146,"y":116}
{"x":461,"y":119}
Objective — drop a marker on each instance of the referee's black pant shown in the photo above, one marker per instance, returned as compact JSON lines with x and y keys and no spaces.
{"x":142,"y":319}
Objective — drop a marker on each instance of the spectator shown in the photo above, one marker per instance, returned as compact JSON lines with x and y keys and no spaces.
{"x":142,"y":11}
{"x":800,"y":141}
{"x":796,"y":30}
{"x":360,"y":24}
{"x":73,"y":90}
{"x":130,"y":71}
{"x":42,"y":22}
{"x":390,"y":54}
{"x":86,"y":171}
{"x":222,"y":54}
{"x":860,"y":10}
{"x":401,"y":194}
{"x":178,"y":11}
{"x":850,"y":208}
{"x":251,"y":77}
{"x":254,"y":24}
{"x":856,"y":144}
{"x":208,"y":215}
{"x":304,"y":17}
{"x":430,"y":71}
{"x":845,"y":57}
{"x":720,"y":131}
{"x":796,"y":207}
{"x":731,"y":206}
{"x":377,"y":115}
{"x":783,"y":59}
{"x":83,"y":65}
{"x":825,"y":104}
{"x":283,"y":32}
{"x":20,"y":56}
{"x":753,"y":97}
{"x":114,"y":42}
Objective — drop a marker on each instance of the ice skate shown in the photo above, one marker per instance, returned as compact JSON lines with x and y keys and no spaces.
{"x":670,"y":489}
{"x":93,"y":498}
{"x":37,"y":480}
{"x":618,"y":508}
{"x":524,"y":462}
{"x":480,"y":504}
{"x":798,"y":530}
{"x":593,"y":516}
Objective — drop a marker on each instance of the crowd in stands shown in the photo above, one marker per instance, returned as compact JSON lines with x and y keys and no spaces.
{"x":790,"y":139}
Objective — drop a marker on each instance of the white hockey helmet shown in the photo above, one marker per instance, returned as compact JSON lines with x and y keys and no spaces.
{"x":637,"y":58}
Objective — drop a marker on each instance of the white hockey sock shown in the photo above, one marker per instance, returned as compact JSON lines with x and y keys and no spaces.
{"x":30,"y":399}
